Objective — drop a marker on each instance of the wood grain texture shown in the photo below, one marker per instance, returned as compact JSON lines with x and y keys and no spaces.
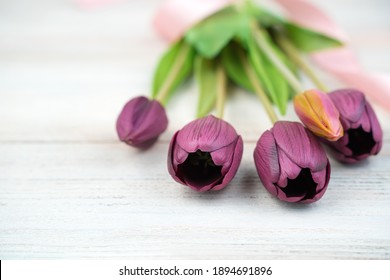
{"x":69,"y":189}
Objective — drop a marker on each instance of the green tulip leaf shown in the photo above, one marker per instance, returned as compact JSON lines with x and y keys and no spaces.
{"x":233,"y":66}
{"x":263,"y":16}
{"x":211,"y":35}
{"x":309,"y":40}
{"x":206,"y":76}
{"x":275,"y":84}
{"x":173,"y":68}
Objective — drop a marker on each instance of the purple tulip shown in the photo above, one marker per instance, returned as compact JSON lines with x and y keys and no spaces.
{"x":362,"y":131}
{"x":141,"y":122}
{"x":205,"y":154}
{"x":291,"y":163}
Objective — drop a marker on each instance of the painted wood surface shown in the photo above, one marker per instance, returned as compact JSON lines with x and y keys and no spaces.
{"x":69,"y":189}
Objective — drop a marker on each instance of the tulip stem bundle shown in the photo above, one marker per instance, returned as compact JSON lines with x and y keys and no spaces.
{"x":163,"y":93}
{"x":295,"y":56}
{"x":284,"y":70}
{"x":221,"y":91}
{"x":258,"y":89}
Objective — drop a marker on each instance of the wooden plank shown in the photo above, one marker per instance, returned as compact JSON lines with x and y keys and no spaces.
{"x":105,"y":200}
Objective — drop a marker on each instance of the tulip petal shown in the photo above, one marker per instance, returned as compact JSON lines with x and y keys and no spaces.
{"x":129,"y":116}
{"x":266,"y":161}
{"x":206,"y":134}
{"x":154,"y":121}
{"x":363,"y":134}
{"x":179,"y":155}
{"x":317,"y":111}
{"x":141,"y":121}
{"x":224,"y":156}
{"x":203,"y":169}
{"x":171,"y":166}
{"x":235,"y":163}
{"x":319,"y":159}
{"x":295,"y":154}
{"x":363,"y":122}
{"x":284,"y":197}
{"x":322,"y":180}
{"x":349,"y":103}
{"x":299,"y":145}
{"x":288,"y":170}
{"x":375,"y":126}
{"x":198,"y":186}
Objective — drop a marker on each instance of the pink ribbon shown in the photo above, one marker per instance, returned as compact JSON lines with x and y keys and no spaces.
{"x":174,"y":17}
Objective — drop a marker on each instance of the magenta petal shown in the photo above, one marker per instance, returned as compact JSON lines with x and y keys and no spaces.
{"x":196,"y":186}
{"x":299,"y":145}
{"x":267,"y":162}
{"x":129,"y":120}
{"x":320,"y":178}
{"x":363,"y":134}
{"x":206,"y":134}
{"x":286,"y":159}
{"x":154,"y":122}
{"x":291,"y":137}
{"x":375,"y":126}
{"x":323,"y":181}
{"x":171,"y":167}
{"x":289,"y":169}
{"x":223,"y":156}
{"x":319,"y":160}
{"x":235,"y":163}
{"x":141,"y":121}
{"x":284,"y":197}
{"x":179,"y":155}
{"x":364,"y":122}
{"x":349,"y":103}
{"x":205,"y":155}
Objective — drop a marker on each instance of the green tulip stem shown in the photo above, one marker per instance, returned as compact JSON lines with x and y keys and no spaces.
{"x":295,"y":56}
{"x":221,"y":91}
{"x":162,"y":94}
{"x":258,"y":89}
{"x":279,"y":64}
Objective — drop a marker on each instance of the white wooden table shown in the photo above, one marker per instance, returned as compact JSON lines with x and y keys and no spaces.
{"x":70,"y":189}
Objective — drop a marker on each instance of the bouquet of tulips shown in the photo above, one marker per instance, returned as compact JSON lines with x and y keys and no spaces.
{"x":244,"y":45}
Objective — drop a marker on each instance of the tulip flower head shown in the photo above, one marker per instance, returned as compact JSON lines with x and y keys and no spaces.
{"x":318,"y":113}
{"x":291,"y":163}
{"x":141,"y":122}
{"x":205,"y":154}
{"x":363,"y":133}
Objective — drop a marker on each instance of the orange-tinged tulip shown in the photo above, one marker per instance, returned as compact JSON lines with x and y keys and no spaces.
{"x":318,"y":113}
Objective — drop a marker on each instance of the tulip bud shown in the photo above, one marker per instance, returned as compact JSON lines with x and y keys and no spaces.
{"x":291,"y":163}
{"x":141,"y":122}
{"x":363,"y":133}
{"x":318,"y":113}
{"x":205,"y":154}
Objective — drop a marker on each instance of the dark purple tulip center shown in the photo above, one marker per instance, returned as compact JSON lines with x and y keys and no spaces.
{"x":199,"y":169}
{"x":360,"y":142}
{"x":303,"y":185}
